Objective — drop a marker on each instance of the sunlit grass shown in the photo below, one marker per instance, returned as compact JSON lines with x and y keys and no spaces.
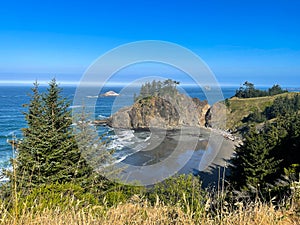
{"x":143,"y":213}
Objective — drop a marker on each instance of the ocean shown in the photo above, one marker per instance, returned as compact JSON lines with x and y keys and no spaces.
{"x":126,"y":143}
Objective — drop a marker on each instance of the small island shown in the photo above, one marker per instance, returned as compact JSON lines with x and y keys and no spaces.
{"x":109,"y":94}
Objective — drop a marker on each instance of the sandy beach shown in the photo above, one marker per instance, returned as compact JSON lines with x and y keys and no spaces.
{"x":188,"y":150}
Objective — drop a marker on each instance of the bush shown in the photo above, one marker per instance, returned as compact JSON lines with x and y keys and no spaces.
{"x":114,"y":198}
{"x":51,"y":196}
{"x":184,"y":191}
{"x":121,"y":194}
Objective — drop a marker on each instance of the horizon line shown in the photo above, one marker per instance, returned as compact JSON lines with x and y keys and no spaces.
{"x":122,"y":84}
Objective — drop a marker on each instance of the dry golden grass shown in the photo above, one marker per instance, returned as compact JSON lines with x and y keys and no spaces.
{"x":143,"y":213}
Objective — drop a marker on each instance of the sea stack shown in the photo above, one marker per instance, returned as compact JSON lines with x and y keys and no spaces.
{"x":110,"y":94}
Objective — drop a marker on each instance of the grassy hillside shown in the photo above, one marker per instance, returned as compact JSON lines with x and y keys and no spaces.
{"x":239,"y":108}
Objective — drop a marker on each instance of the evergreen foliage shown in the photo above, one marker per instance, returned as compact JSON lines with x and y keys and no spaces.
{"x":93,"y":150}
{"x":48,"y":152}
{"x":158,"y":88}
{"x":289,"y":148}
{"x":267,"y":155}
{"x":248,"y":90}
{"x":282,"y":106}
{"x":92,"y":147}
{"x":253,"y":166}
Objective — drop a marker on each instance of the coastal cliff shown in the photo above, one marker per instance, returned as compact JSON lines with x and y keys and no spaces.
{"x":161,"y":112}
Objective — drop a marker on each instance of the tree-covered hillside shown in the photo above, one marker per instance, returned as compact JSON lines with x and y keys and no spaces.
{"x":248,"y":90}
{"x":268,"y":161}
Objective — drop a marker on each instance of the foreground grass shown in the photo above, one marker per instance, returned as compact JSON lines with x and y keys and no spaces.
{"x":179,"y":200}
{"x":143,"y":213}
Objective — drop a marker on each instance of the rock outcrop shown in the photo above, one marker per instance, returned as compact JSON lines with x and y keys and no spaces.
{"x":110,"y":94}
{"x":216,"y":116}
{"x":161,"y":112}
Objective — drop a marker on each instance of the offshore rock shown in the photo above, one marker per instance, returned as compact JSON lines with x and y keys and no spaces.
{"x":161,"y":112}
{"x":110,"y":94}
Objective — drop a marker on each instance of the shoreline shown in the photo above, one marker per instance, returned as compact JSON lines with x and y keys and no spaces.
{"x":227,"y":135}
{"x":197,"y":154}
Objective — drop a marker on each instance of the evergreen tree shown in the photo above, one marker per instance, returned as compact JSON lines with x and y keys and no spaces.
{"x":253,"y":165}
{"x":48,"y":152}
{"x":29,"y":154}
{"x":248,"y":90}
{"x":153,"y":89}
{"x":271,"y":155}
{"x":289,"y":148}
{"x":143,"y":92}
{"x":93,"y":148}
{"x":275,"y":90}
{"x":158,"y":88}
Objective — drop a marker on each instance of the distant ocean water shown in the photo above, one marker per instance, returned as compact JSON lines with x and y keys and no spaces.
{"x":12,"y":118}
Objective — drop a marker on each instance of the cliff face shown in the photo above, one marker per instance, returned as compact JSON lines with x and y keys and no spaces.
{"x":216,"y":116}
{"x":157,"y":112}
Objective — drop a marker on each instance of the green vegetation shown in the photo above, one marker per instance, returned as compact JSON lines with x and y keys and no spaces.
{"x":248,"y":90}
{"x":281,"y":106}
{"x":91,"y":145}
{"x":184,"y":191}
{"x":157,"y":88}
{"x":239,"y":108}
{"x":268,"y":156}
{"x":268,"y":161}
{"x":65,"y":196}
{"x":48,"y":152}
{"x":65,"y":204}
{"x":242,"y":113}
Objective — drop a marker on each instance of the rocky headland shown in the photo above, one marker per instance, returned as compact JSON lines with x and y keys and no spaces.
{"x":160,"y":105}
{"x":161,"y":112}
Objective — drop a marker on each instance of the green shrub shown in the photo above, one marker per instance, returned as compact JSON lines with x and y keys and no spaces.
{"x":51,"y":196}
{"x":121,"y":194}
{"x":184,"y":191}
{"x":114,"y":198}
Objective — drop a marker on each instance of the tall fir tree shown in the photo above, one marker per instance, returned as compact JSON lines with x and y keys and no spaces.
{"x":48,"y":152}
{"x":29,"y":153}
{"x":269,"y":160}
{"x":253,"y":166}
{"x":289,"y":148}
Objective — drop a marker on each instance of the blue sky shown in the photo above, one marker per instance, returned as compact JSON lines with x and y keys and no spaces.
{"x":253,"y":40}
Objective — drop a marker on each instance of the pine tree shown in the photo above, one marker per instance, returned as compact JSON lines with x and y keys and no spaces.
{"x":153,"y":89}
{"x":92,"y":147}
{"x":289,"y":148}
{"x":48,"y":152}
{"x":159,"y":87}
{"x":253,"y":165}
{"x":29,"y":154}
{"x":93,"y":150}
